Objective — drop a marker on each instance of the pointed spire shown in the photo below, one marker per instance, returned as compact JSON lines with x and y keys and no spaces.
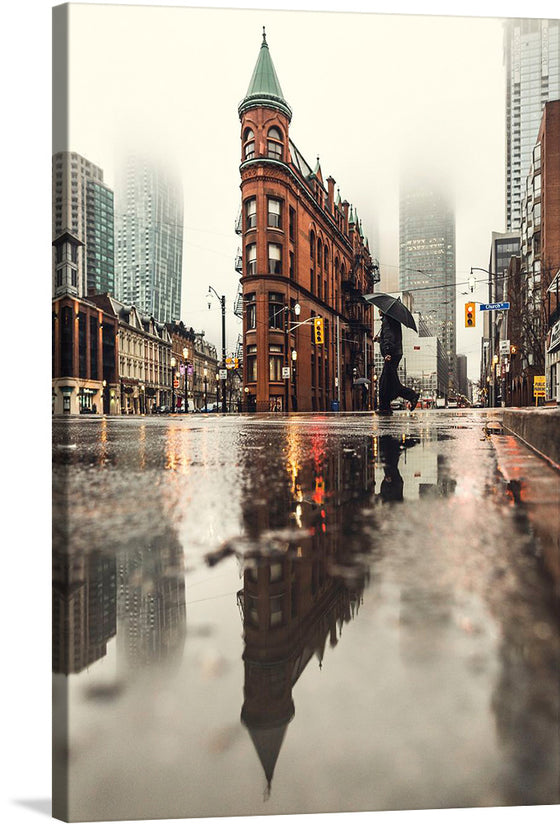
{"x":361,"y":230}
{"x":264,"y":87}
{"x":351,"y":218}
{"x":338,"y":197}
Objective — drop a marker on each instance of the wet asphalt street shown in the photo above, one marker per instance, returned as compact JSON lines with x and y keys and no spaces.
{"x":319,"y":613}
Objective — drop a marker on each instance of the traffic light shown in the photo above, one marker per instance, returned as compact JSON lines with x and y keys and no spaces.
{"x":470,"y":316}
{"x":513,"y":349}
{"x":319,"y":330}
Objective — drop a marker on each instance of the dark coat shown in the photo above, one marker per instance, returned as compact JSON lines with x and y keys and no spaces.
{"x":390,"y":337}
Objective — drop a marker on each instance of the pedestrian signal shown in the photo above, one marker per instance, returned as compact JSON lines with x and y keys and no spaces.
{"x":319,"y":330}
{"x":470,"y":318}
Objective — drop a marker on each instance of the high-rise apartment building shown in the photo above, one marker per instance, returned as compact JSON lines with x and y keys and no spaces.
{"x":427,"y":261}
{"x":149,"y":238}
{"x":83,"y":208}
{"x":532,"y":61}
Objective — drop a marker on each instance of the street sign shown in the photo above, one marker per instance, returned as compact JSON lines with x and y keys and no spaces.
{"x":491,"y":307}
{"x":504,"y":347}
{"x":539,"y":384}
{"x":285,"y":372}
{"x":223,"y":374}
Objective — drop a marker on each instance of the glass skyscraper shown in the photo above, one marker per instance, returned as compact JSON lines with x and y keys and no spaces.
{"x":149,"y":238}
{"x":83,"y":205}
{"x":427,"y":261}
{"x":532,"y":61}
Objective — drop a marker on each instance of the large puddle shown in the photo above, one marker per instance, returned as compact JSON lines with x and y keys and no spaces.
{"x":257,"y":615}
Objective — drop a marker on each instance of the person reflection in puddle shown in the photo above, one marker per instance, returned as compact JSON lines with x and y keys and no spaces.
{"x":390,"y":449}
{"x":392,"y":484}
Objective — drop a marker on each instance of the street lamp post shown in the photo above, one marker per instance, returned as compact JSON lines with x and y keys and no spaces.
{"x":294,"y":377}
{"x":491,"y":279}
{"x":287,"y":330}
{"x":206,"y":386}
{"x":185,"y":373}
{"x":222,"y":300}
{"x":173,"y":365}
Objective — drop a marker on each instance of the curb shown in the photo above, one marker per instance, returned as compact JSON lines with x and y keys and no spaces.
{"x":538,"y":429}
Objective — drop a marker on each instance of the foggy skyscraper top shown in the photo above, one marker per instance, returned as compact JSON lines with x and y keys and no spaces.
{"x":427,"y":260}
{"x":149,"y":238}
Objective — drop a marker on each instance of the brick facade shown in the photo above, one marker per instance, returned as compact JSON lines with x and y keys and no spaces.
{"x":300,"y":247}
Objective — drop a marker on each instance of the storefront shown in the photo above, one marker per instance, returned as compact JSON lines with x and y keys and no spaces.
{"x":552,"y":364}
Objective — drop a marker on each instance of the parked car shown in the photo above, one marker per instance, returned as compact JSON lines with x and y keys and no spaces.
{"x":163,"y":410}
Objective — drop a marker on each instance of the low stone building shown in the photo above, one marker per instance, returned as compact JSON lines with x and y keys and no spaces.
{"x":144,"y":359}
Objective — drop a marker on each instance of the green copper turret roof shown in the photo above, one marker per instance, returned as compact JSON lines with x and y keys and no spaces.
{"x":264,"y":88}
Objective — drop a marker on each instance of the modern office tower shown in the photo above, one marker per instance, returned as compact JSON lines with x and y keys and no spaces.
{"x":462,"y":378}
{"x":505,"y":245}
{"x":83,"y":209}
{"x":532,"y":60}
{"x":427,"y":261}
{"x":149,"y":238}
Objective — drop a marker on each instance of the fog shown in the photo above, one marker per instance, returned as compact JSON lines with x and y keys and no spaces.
{"x":375,"y":96}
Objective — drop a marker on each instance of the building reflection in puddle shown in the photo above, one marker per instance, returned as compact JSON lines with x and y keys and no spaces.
{"x":312,"y":542}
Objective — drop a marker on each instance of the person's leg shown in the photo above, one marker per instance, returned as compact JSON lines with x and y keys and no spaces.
{"x":404,"y":392}
{"x":385,"y":389}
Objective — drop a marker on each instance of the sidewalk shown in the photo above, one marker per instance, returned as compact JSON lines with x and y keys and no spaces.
{"x":534,"y":488}
{"x":538,"y":428}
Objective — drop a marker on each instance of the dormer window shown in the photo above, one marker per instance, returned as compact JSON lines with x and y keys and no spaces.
{"x":248,"y":144}
{"x":274,"y":143}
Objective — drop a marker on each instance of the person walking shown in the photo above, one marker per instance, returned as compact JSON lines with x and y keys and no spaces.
{"x":390,"y":387}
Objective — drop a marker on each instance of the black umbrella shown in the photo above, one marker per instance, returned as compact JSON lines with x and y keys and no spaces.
{"x":393,"y":307}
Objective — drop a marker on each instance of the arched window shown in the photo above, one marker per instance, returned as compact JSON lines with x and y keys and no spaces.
{"x":274,"y":143}
{"x":248,"y":144}
{"x":312,"y":245}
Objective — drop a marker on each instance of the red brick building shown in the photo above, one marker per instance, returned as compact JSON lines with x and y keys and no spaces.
{"x":549,"y":138}
{"x":84,"y":358}
{"x":304,"y":257}
{"x":539,"y":335}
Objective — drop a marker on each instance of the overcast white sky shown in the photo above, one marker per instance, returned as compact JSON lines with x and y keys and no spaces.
{"x":371,"y":95}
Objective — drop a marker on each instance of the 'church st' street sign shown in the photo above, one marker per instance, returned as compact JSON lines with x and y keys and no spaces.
{"x":489,"y":307}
